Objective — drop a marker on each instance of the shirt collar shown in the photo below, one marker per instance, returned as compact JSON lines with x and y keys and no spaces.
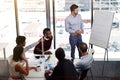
{"x":73,"y":16}
{"x":84,"y":56}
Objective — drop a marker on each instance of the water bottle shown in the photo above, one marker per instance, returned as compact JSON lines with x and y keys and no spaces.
{"x":47,"y":65}
{"x":41,"y":60}
{"x":42,"y":57}
{"x":48,"y":58}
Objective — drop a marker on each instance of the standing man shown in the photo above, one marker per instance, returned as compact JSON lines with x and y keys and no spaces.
{"x":74,"y":26}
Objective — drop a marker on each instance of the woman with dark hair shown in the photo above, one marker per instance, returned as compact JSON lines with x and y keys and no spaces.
{"x":16,"y":68}
{"x":20,"y":40}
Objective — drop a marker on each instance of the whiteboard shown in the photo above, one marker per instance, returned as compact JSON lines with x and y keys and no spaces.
{"x":101,"y":29}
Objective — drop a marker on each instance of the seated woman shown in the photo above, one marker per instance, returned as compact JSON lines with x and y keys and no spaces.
{"x":64,"y":70}
{"x":46,"y":40}
{"x":16,"y":68}
{"x":20,"y":41}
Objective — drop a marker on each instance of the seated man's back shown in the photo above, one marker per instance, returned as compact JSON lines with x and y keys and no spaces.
{"x":84,"y":63}
{"x":65,"y":70}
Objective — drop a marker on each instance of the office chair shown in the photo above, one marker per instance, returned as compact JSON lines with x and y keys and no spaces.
{"x":83,"y":74}
{"x":4,"y":70}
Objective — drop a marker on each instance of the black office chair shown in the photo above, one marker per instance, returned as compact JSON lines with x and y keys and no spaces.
{"x":83,"y":74}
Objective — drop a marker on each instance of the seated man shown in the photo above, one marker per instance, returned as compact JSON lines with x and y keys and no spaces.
{"x":85,"y":62}
{"x":44,"y":42}
{"x":64,"y":70}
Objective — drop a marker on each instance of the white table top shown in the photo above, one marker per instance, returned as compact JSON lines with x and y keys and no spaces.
{"x":39,"y":75}
{"x":33,"y":75}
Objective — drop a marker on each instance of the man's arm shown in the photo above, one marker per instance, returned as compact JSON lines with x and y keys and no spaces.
{"x":67,"y":27}
{"x":81,"y":30}
{"x":38,"y":48}
{"x":78,"y":65}
{"x":49,"y":44}
{"x":91,"y":51}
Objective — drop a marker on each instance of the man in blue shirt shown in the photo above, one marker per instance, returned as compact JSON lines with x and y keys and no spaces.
{"x":74,"y":26}
{"x":85,"y":62}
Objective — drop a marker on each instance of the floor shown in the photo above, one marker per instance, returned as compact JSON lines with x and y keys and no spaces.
{"x":111,"y":70}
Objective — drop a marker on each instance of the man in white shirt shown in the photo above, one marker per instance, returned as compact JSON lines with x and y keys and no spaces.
{"x":85,"y":62}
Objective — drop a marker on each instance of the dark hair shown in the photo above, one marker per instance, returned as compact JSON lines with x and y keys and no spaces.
{"x":60,"y":54}
{"x":20,"y":40}
{"x":46,"y":30}
{"x":73,"y":7}
{"x":83,"y":47}
{"x":17,"y":52}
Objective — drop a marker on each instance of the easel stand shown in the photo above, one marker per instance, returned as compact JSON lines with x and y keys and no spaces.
{"x":105,"y":56}
{"x":4,"y":53}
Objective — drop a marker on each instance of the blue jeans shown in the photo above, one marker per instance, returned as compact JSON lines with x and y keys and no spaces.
{"x":75,"y":41}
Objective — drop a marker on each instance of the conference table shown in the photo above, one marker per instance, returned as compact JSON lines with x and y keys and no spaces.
{"x":41,"y":65}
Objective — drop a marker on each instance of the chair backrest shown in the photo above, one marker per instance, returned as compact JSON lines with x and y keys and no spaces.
{"x":83,"y":74}
{"x":9,"y":58}
{"x":4,"y":70}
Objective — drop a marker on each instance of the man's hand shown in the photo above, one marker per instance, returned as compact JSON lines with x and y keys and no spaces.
{"x":51,"y":37}
{"x":78,"y":32}
{"x":51,"y":69}
{"x":47,"y":52}
{"x":92,"y":51}
{"x":82,"y":31}
{"x":47,"y":71}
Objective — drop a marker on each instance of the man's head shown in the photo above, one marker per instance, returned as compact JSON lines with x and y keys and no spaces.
{"x":47,"y":33}
{"x":74,"y":9}
{"x":20,"y":40}
{"x":83,"y":48}
{"x":60,"y":54}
